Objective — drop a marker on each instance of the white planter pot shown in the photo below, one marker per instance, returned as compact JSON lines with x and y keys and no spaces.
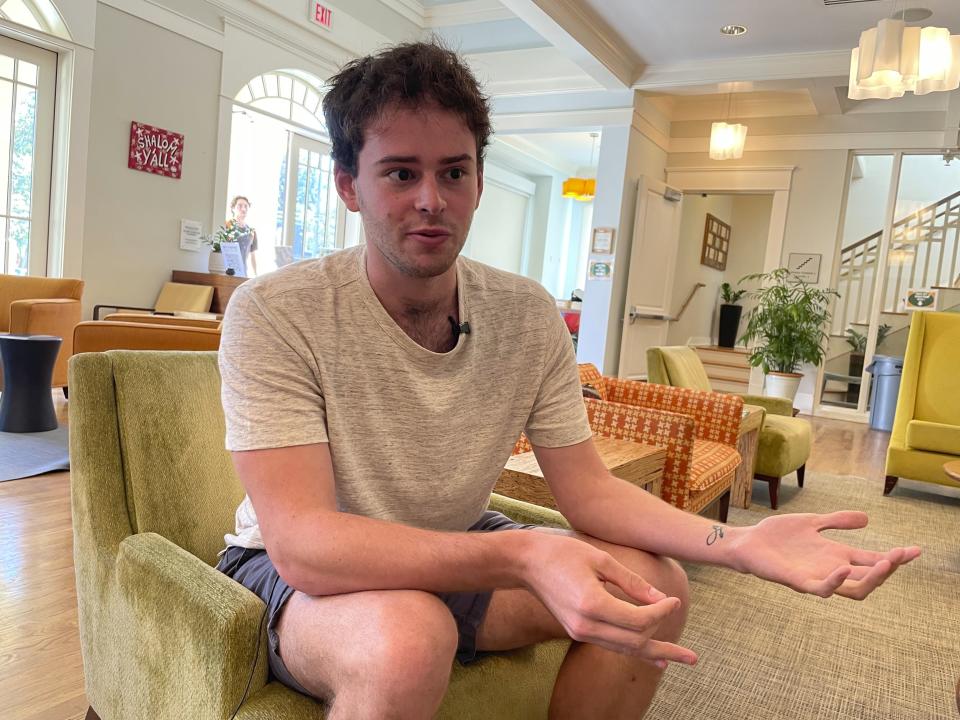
{"x":782,"y":385}
{"x":215,"y":264}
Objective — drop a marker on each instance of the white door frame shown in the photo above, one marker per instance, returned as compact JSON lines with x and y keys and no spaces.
{"x":774,"y":181}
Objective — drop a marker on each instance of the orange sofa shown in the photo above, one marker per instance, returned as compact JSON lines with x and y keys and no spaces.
{"x":132,"y":331}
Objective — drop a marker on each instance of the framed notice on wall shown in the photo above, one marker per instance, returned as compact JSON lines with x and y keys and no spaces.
{"x":716,"y":243}
{"x":602,"y":243}
{"x":155,"y":150}
{"x":804,"y":266}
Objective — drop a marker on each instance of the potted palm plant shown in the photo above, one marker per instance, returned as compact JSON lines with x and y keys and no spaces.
{"x":788,"y":326}
{"x":729,"y":315}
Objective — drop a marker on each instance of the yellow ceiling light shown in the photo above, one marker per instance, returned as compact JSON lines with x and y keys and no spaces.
{"x":893,"y":59}
{"x":726,"y":139}
{"x":582,"y":189}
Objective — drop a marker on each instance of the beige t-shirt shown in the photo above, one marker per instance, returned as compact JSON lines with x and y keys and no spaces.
{"x":309,"y":355}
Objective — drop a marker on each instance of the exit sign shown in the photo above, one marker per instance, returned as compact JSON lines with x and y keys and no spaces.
{"x":321,"y":15}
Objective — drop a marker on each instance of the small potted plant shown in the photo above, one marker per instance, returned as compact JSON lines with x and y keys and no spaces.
{"x":225,"y":233}
{"x":789,"y":326}
{"x":729,"y":315}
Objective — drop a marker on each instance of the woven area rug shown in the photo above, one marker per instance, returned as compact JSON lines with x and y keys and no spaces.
{"x":27,"y":454}
{"x":767,"y":653}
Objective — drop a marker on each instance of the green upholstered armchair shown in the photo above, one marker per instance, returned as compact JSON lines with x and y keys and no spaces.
{"x":926,"y":428}
{"x":163,"y":633}
{"x":784,"y":443}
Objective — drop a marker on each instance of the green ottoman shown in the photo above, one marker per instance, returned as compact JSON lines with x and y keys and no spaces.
{"x":784,"y":447}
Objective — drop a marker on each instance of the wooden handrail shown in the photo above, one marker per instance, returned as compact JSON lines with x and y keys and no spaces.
{"x":689,"y":298}
{"x":634,"y":314}
{"x":905,"y":219}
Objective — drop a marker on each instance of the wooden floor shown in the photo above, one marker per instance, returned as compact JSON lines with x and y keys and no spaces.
{"x":41,"y":675}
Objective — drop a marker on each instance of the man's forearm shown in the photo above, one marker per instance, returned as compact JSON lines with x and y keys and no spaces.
{"x":622,"y":513}
{"x":351,"y":553}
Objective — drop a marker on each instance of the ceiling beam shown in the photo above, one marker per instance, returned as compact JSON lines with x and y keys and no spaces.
{"x":825,"y":94}
{"x":575,"y":30}
{"x":788,"y":66}
{"x":465,"y":13}
{"x":952,"y":125}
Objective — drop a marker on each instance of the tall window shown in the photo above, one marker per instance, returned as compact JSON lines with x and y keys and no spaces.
{"x":27,"y":84}
{"x":280,"y":160}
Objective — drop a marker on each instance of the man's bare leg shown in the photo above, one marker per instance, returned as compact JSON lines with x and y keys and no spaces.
{"x":377,"y":655}
{"x":593,"y":682}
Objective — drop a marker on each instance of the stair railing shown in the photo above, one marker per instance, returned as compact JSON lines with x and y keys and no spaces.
{"x":924,"y":252}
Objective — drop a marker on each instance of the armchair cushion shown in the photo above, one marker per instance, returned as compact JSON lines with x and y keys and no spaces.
{"x":183,"y":296}
{"x":784,"y":445}
{"x":712,"y":462}
{"x":680,"y":366}
{"x":772,"y":404}
{"x":933,"y":437}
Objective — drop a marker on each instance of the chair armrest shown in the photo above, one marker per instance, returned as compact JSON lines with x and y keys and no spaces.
{"x":44,"y":316}
{"x":96,"y":309}
{"x":150,"y":318}
{"x":773,"y":405}
{"x":48,"y":316}
{"x":178,"y":607}
{"x":524,"y":512}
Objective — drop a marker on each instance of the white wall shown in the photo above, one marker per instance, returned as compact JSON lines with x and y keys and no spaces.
{"x":813,"y":215}
{"x":698,"y":320}
{"x":131,"y":234}
{"x":749,"y":220}
{"x":626,"y":154}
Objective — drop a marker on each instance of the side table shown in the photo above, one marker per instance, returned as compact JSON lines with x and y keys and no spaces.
{"x":747,"y":442}
{"x":640,"y":464}
{"x":26,"y":404}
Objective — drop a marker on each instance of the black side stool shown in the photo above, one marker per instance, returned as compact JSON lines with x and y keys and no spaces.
{"x":26,"y":404}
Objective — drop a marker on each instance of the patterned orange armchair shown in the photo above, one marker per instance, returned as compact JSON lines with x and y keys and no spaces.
{"x":702,"y":455}
{"x":697,"y":428}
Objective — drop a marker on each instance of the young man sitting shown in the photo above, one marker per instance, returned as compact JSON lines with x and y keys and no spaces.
{"x":372,"y":399}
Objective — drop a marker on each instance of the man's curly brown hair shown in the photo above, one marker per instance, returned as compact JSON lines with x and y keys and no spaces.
{"x":408,"y":75}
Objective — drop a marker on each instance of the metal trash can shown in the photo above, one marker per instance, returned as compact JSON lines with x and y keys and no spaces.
{"x":886,"y":372}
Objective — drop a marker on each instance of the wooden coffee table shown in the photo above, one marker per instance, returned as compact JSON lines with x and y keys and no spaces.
{"x":952,"y":469}
{"x":640,"y":464}
{"x":747,"y":442}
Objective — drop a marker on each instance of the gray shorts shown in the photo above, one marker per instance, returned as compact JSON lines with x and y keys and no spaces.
{"x":254,"y":570}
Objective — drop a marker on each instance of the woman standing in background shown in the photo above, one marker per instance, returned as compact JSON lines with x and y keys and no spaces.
{"x":246,"y":236}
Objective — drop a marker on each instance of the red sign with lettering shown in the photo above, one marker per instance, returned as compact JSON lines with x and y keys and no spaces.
{"x":322,"y":15}
{"x":155,"y":150}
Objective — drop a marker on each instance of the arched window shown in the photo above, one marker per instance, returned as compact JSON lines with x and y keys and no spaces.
{"x":291,"y":95}
{"x":36,"y":14}
{"x":280,"y":160}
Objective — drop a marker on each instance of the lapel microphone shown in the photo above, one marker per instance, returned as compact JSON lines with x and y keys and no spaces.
{"x":458,"y":328}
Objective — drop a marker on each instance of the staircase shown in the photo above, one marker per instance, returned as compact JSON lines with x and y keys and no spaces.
{"x":924,"y":253}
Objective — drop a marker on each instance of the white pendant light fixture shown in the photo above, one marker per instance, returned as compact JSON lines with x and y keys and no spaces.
{"x":727,"y":140}
{"x":893,"y":59}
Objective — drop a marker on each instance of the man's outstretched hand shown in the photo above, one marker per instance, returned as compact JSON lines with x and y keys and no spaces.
{"x":789,"y":549}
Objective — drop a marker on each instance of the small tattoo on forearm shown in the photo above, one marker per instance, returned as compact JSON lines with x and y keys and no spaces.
{"x":715,"y":535}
